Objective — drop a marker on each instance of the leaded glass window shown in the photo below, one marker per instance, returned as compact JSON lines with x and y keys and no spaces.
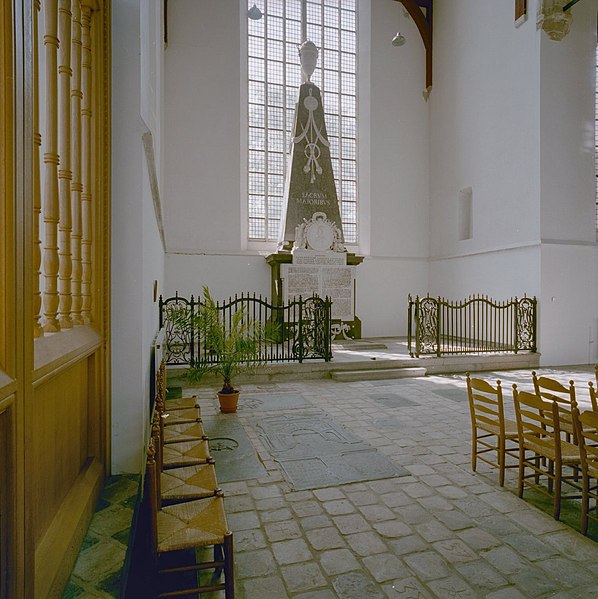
{"x":274,"y":76}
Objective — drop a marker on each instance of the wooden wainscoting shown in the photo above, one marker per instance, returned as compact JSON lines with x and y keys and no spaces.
{"x":6,"y":493}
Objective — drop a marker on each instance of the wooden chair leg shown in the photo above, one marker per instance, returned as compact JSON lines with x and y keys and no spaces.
{"x":229,"y":576}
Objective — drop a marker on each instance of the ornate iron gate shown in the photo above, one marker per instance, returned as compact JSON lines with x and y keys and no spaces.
{"x":300,"y":330}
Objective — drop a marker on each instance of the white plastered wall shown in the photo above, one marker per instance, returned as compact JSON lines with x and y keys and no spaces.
{"x":204,"y":176}
{"x":511,"y":117}
{"x":137,"y":254}
{"x":569,"y":269}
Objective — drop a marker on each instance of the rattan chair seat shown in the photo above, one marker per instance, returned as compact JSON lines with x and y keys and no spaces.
{"x":175,"y":455}
{"x":510,"y":428}
{"x":191,"y":431}
{"x":182,"y":403}
{"x":191,"y":524}
{"x":186,"y":416}
{"x":192,"y":482}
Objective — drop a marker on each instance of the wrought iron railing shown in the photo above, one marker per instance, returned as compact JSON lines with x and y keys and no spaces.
{"x":476,"y":325}
{"x":300,"y":330}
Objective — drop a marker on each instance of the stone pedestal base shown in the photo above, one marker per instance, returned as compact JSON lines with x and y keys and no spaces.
{"x":346,"y":329}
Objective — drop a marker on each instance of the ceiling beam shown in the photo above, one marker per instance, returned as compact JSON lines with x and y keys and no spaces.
{"x":424,"y":26}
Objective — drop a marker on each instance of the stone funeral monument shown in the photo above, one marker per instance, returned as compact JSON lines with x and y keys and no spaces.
{"x":312,"y":257}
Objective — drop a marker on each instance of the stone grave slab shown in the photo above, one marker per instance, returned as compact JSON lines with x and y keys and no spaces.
{"x":314,"y":451}
{"x":454,"y":394}
{"x":232,"y":449}
{"x":393,"y":400}
{"x":263,"y":402}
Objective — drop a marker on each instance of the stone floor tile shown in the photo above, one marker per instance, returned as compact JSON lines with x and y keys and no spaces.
{"x":433,"y":530}
{"x":299,"y":496}
{"x":307,"y":508}
{"x":337,"y":561}
{"x":355,"y":585}
{"x":242,"y":521}
{"x":270,"y":587}
{"x":396,"y":499}
{"x":362,"y":497}
{"x":506,"y":593}
{"x":435,"y":503}
{"x":291,"y":552}
{"x":249,"y":539}
{"x":322,"y":594}
{"x":477,"y":539}
{"x":406,"y":588}
{"x":263,"y":492}
{"x":238,"y":503}
{"x":407,"y":545}
{"x":325,"y":538}
{"x":566,"y":573}
{"x":312,"y":522}
{"x":275,"y":515}
{"x":575,"y":547}
{"x":455,"y":519}
{"x":385,"y":566}
{"x":481,"y":575}
{"x":339,"y":507}
{"x":392,"y":528}
{"x":254,"y":563}
{"x":281,"y":531}
{"x":417,"y":490}
{"x":434,"y":480}
{"x":366,"y":543}
{"x":427,"y":565}
{"x":452,"y":587}
{"x":377,"y":513}
{"x":454,"y":551}
{"x":351,"y":523}
{"x":533,"y":582}
{"x":271,"y":503}
{"x":303,"y":577}
{"x":531,"y":547}
{"x":413,"y":514}
{"x":419,"y":469}
{"x":504,"y":559}
{"x":329,"y":494}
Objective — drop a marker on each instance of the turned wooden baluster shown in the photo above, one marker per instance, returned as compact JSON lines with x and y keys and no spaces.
{"x":86,"y":163}
{"x":51,"y":160}
{"x":76,"y":185}
{"x":64,"y":173}
{"x":38,"y":330}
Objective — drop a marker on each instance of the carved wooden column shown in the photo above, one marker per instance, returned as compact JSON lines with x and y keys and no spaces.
{"x":50,"y":207}
{"x":38,"y":331}
{"x":76,"y":186}
{"x":86,"y":163}
{"x":64,"y":172}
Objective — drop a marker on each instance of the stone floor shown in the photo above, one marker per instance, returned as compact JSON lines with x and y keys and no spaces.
{"x":441,"y":531}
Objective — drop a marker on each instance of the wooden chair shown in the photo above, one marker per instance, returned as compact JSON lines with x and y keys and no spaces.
{"x":550,"y":390}
{"x":586,"y":425}
{"x":177,"y":454}
{"x":539,"y":432}
{"x":491,"y":432}
{"x":178,"y":531}
{"x":183,"y":483}
{"x":593,"y":397}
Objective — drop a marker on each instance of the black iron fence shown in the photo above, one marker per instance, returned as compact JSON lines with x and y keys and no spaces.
{"x":300,"y":330}
{"x":476,"y":325}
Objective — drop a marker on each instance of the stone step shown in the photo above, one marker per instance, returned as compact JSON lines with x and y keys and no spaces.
{"x":372,"y":375}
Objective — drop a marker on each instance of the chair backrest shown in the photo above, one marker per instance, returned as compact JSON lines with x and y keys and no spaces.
{"x":537,"y":419}
{"x":593,"y":396}
{"x":552,"y":390}
{"x":485,"y":403}
{"x":587,"y":434}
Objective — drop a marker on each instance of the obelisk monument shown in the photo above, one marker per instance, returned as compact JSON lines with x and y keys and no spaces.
{"x":310,"y":191}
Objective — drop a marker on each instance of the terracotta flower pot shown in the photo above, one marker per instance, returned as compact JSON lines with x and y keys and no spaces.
{"x":228,"y":402}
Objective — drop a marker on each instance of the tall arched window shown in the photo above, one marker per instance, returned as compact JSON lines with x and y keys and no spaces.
{"x":274,"y":76}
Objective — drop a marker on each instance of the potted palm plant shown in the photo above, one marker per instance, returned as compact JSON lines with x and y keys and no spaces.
{"x":227,"y":349}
